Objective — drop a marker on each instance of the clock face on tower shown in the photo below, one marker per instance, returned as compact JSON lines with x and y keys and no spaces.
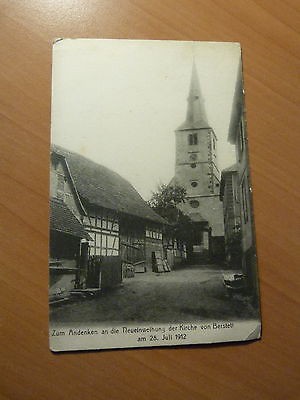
{"x":193,"y":157}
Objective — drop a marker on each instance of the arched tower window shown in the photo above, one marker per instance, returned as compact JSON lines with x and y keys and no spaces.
{"x":193,"y":138}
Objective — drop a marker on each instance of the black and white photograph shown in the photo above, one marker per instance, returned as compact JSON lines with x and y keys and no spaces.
{"x":152,"y":239}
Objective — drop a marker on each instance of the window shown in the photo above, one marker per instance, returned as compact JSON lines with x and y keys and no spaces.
{"x":115,"y":226}
{"x":98,"y":240}
{"x":116,"y":243}
{"x":109,"y":225}
{"x":194,"y":203}
{"x":193,"y":139}
{"x":98,"y":222}
{"x":85,"y":220}
{"x":93,"y":221}
{"x":110,"y":241}
{"x":104,"y":241}
{"x":194,"y":184}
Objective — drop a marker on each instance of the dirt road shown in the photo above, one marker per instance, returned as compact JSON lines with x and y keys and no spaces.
{"x":195,"y":293}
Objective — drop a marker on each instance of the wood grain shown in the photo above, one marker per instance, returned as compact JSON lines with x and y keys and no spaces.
{"x":268,"y":369}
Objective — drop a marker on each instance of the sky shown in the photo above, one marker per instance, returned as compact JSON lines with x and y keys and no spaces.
{"x":118,"y":102}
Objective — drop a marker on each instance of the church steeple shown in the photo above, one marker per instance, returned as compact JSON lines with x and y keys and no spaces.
{"x":196,"y":116}
{"x":197,"y":172}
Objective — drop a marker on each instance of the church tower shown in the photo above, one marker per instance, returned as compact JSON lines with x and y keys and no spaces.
{"x":196,"y":168}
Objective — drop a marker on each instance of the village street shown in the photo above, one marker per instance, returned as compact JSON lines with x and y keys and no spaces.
{"x":192,"y":293}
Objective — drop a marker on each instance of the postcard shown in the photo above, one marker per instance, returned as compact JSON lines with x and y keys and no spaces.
{"x":152,"y":238}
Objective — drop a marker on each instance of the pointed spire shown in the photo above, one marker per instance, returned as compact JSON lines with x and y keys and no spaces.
{"x":196,"y":115}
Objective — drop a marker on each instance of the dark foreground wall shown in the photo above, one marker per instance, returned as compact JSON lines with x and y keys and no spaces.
{"x":111,"y":272}
{"x":104,"y":272}
{"x":217,"y":248}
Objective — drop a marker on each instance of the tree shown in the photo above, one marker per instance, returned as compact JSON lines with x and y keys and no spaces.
{"x":168,"y":196}
{"x":165,"y":202}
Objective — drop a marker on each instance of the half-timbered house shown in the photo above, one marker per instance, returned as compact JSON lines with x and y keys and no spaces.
{"x":116,"y":218}
{"x":68,"y":238}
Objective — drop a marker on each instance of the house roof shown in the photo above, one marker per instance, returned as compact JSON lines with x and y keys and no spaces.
{"x":55,"y":156}
{"x":63,"y":220}
{"x":196,"y":115}
{"x":100,"y":186}
{"x":237,"y":106}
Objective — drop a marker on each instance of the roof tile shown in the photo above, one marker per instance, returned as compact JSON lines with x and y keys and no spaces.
{"x":63,"y":220}
{"x":105,"y":188}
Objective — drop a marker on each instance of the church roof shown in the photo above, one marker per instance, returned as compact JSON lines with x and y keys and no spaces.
{"x":100,"y":186}
{"x":197,"y":217}
{"x":196,"y":115}
{"x":232,"y":168}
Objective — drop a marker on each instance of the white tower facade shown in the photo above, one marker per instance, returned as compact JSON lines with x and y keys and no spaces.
{"x":196,"y":166}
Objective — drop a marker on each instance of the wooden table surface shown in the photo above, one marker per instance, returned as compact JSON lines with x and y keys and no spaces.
{"x":268,"y":369}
